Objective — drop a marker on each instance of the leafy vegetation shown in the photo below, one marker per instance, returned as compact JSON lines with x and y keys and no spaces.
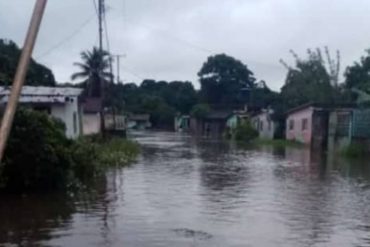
{"x":38,"y":75}
{"x":310,"y":81}
{"x":161,"y":99}
{"x":223,"y":79}
{"x":93,"y":68}
{"x":355,"y":150}
{"x":39,"y":157}
{"x":245,"y":132}
{"x":200,"y":111}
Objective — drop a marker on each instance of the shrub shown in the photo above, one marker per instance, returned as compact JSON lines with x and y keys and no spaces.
{"x":200,"y":111}
{"x":37,"y":156}
{"x":118,"y":152}
{"x":355,"y":150}
{"x":245,"y":132}
{"x":85,"y":156}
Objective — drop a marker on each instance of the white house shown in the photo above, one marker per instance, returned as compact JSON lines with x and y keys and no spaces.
{"x":59,"y":102}
{"x":264,"y":124}
{"x":91,"y":116}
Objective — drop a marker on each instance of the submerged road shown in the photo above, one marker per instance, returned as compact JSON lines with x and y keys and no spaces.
{"x":187,"y":192}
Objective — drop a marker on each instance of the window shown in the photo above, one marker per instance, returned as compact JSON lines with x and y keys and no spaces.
{"x":304,"y":124}
{"x":75,"y":122}
{"x":291,"y":124}
{"x":269,"y":124}
{"x":261,"y":125}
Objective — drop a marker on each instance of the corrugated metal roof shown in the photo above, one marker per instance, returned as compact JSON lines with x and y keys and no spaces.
{"x":140,"y":117}
{"x":44,"y":91}
{"x":31,"y":94}
{"x":219,"y":115}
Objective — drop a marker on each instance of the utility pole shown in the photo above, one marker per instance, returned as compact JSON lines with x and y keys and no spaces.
{"x":21,"y":73}
{"x":102,"y":86}
{"x":101,"y":12}
{"x":118,"y":56}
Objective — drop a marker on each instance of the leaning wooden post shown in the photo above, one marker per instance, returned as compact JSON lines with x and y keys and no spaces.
{"x":21,"y":72}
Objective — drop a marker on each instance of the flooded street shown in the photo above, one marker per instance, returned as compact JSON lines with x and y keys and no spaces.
{"x":184,"y":192}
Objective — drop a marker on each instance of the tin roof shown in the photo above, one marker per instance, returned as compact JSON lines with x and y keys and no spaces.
{"x":140,"y":117}
{"x":30,"y":94}
{"x":219,"y":115}
{"x":322,"y":106}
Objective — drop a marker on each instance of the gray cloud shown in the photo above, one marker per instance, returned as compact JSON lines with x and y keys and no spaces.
{"x":170,"y":39}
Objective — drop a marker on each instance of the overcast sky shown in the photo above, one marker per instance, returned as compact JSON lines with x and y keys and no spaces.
{"x":171,"y":39}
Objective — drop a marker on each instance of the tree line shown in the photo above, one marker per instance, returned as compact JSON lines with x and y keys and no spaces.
{"x":226,"y":83}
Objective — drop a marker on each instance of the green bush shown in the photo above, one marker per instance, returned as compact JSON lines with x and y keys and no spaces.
{"x":200,"y":111}
{"x":37,"y":156}
{"x":355,"y":150}
{"x":85,"y":156}
{"x":118,"y":152}
{"x":245,"y":132}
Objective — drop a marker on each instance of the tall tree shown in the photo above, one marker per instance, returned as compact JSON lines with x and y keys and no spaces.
{"x":357,"y":80}
{"x":358,"y":75}
{"x":223,"y":79}
{"x":94,"y":71}
{"x":37,"y":75}
{"x":309,"y":80}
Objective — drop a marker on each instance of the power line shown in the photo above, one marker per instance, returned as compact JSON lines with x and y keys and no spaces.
{"x":96,"y":8}
{"x":68,"y":38}
{"x":106,"y":32}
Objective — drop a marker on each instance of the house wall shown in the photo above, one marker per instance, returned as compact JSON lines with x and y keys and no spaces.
{"x":196,"y":126}
{"x":117,"y":122}
{"x":91,"y":123}
{"x":182,"y":123}
{"x":297,"y":133}
{"x":69,"y":114}
{"x":232,"y":122}
{"x":264,"y":125}
{"x":339,"y":133}
{"x":214,"y":129}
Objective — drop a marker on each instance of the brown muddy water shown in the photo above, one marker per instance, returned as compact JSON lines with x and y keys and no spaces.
{"x":186,"y":192}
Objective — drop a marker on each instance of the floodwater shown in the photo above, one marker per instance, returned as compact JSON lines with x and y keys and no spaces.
{"x":186,"y":192}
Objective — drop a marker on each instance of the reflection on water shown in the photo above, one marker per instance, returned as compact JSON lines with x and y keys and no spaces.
{"x":188,"y":192}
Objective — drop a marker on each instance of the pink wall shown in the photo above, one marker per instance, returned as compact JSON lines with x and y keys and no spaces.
{"x":297,"y":133}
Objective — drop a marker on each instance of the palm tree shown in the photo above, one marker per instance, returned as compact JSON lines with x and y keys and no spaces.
{"x":94,"y":71}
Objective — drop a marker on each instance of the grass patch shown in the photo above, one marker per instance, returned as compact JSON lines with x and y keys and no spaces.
{"x":112,"y":151}
{"x":118,"y":152}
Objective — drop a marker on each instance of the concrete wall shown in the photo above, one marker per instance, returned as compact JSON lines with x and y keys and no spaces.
{"x":232,"y":122}
{"x":264,"y":125}
{"x":339,"y":134}
{"x":297,"y":133}
{"x":69,"y":114}
{"x":91,"y":123}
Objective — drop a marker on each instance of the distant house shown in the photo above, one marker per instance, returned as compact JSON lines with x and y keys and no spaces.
{"x":182,"y":123}
{"x":264,"y":124}
{"x":349,"y":125}
{"x":62,"y":103}
{"x":115,"y":122}
{"x":305,"y":122}
{"x":139,"y":121}
{"x":310,"y":123}
{"x":214,"y":125}
{"x":91,"y":116}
